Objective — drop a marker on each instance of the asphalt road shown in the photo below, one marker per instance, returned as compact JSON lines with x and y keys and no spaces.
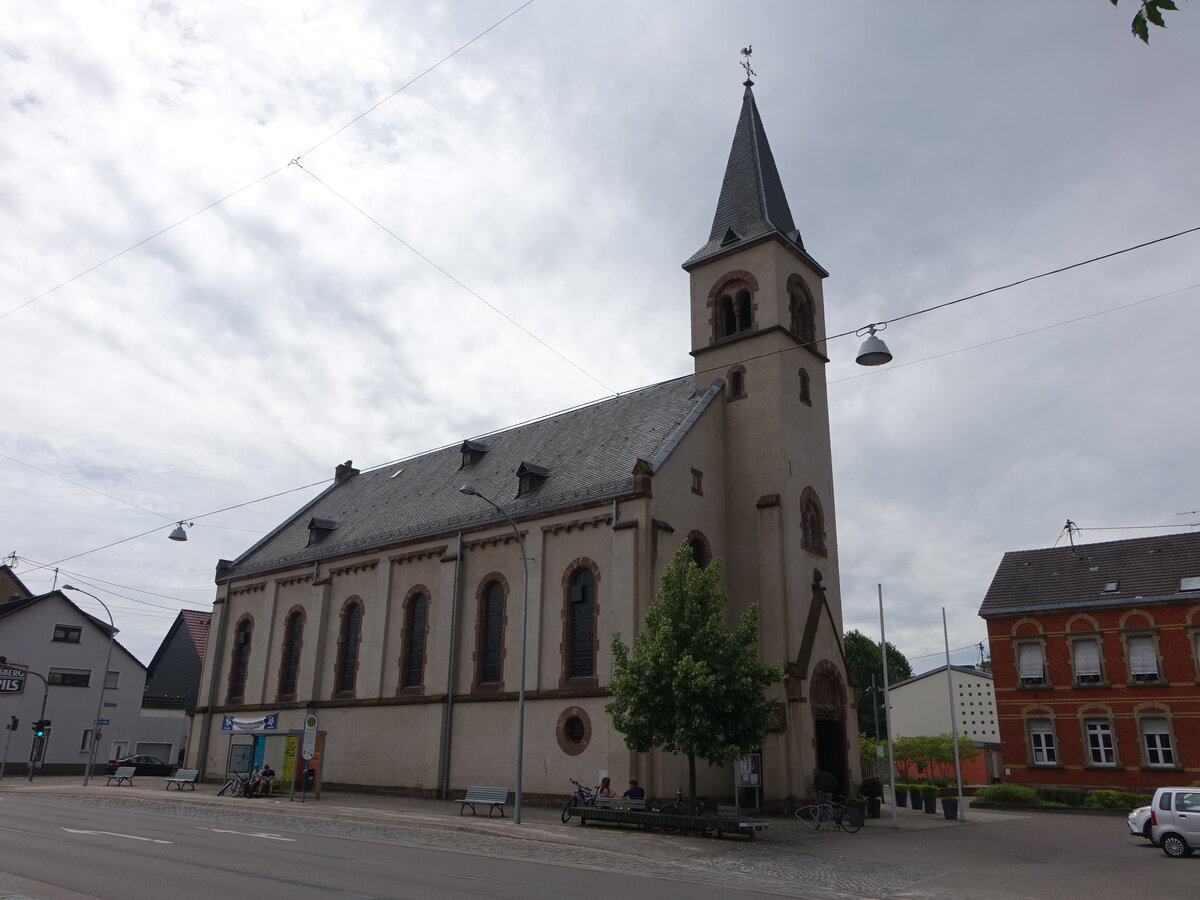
{"x":118,"y":846}
{"x":62,"y":851}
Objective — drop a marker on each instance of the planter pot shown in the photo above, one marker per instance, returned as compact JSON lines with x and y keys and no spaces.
{"x":950,"y":807}
{"x":902,"y":798}
{"x":873,"y":804}
{"x":914,"y":799}
{"x":930,"y":805}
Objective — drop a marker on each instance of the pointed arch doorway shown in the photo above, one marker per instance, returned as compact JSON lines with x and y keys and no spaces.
{"x":829,"y":723}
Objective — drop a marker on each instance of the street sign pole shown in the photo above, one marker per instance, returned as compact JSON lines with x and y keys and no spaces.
{"x":308,"y":749}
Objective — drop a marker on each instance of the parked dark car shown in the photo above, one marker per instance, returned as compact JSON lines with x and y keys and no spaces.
{"x":145,"y":765}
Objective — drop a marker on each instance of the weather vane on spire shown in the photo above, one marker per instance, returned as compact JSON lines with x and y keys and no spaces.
{"x":747,"y":52}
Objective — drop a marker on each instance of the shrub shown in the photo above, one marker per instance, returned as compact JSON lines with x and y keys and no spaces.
{"x":871,"y":787}
{"x":1010,"y":794}
{"x":826,"y":782}
{"x":1115,"y":800}
{"x":929,"y":790}
{"x":1063,"y":795}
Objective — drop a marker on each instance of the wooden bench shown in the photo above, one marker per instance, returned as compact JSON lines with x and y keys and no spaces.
{"x":183,"y":778}
{"x":491,"y":797}
{"x":650,"y":820}
{"x":124,"y":775}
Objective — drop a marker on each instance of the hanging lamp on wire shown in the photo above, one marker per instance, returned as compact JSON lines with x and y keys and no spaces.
{"x":874,"y":351}
{"x":178,"y":534}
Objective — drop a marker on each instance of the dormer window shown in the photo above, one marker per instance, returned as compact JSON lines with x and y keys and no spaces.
{"x":472,"y":452}
{"x":1190,"y":583}
{"x":319,"y":529}
{"x":1110,"y":587}
{"x":530,"y":477}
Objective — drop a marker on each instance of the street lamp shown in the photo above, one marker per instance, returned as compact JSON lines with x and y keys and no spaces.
{"x":874,"y":351}
{"x":87,"y":772}
{"x":472,"y":492}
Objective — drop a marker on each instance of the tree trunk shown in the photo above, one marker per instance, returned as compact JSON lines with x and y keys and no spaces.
{"x":692,"y":779}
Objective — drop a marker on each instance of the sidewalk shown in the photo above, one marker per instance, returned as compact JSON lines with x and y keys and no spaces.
{"x":539,"y":823}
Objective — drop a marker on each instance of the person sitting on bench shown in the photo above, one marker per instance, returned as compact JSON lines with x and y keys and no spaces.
{"x":267,"y":782}
{"x":634,"y":791}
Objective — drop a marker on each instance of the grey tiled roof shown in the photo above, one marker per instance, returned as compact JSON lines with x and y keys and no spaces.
{"x":590,"y":453}
{"x":1075,"y":577}
{"x":965,"y":670}
{"x":752,"y":201}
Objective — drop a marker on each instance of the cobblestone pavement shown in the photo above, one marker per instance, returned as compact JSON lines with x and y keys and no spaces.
{"x":776,"y":867}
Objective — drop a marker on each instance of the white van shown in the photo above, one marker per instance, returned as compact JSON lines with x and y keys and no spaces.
{"x":1175,"y":820}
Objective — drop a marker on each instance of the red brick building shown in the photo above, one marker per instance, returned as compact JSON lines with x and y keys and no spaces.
{"x":1096,"y":662}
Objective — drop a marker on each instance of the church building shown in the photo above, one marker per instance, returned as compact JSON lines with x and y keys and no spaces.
{"x":390,"y":607}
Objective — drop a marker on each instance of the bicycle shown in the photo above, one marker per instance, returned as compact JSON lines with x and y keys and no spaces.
{"x":581,"y":796}
{"x":237,"y":785}
{"x":681,"y":807}
{"x":831,"y":815}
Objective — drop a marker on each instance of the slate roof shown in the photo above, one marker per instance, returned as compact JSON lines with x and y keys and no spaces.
{"x":590,"y":453}
{"x":1061,"y":578}
{"x":752,"y":202}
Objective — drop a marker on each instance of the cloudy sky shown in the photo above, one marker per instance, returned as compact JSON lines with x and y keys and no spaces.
{"x":378,"y":299}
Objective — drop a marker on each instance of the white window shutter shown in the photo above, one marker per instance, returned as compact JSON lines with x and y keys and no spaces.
{"x":1087,"y":658}
{"x":1142,"y":660}
{"x":1031,"y":660}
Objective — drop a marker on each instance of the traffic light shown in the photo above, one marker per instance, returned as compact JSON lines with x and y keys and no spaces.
{"x":13,"y":726}
{"x":40,"y":727}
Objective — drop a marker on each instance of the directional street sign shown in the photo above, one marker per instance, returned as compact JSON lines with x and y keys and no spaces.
{"x":102,"y":721}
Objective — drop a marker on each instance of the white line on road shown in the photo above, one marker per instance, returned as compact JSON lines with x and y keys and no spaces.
{"x":263,"y":835}
{"x":132,"y":837}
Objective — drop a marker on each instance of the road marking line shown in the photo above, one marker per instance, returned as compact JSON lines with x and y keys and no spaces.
{"x":132,"y":837}
{"x":263,"y":835}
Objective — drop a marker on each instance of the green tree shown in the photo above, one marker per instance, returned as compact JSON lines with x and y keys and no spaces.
{"x":691,"y":684}
{"x":863,"y":660}
{"x":1150,"y":13}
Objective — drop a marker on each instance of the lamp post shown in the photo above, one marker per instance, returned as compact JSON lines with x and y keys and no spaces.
{"x":472,"y":492}
{"x":887,"y":707}
{"x":87,"y":772}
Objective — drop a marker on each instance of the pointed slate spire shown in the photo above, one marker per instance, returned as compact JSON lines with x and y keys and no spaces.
{"x":752,"y":202}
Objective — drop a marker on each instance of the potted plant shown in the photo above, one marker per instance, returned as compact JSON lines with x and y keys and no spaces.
{"x":950,"y":807}
{"x":914,"y":796}
{"x":929,"y":794}
{"x":901,"y":794}
{"x":872,"y":790}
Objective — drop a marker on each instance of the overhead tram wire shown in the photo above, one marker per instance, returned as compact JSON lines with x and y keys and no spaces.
{"x":1019,"y":334}
{"x":715,"y":368}
{"x":489,"y":305}
{"x":270,"y":174}
{"x":975,"y":296}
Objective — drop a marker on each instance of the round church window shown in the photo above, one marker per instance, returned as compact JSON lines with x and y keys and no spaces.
{"x":574,"y":730}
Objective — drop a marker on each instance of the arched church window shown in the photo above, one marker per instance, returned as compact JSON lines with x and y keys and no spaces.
{"x":491,"y":634}
{"x":805,"y":390}
{"x":240,"y":660}
{"x":736,"y":381}
{"x":289,"y":668}
{"x":347,"y":664}
{"x":416,"y":615}
{"x":733,"y":305}
{"x":802,"y":309}
{"x":812,"y":522}
{"x":582,"y":613}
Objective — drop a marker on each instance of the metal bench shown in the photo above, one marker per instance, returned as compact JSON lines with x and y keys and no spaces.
{"x":620,"y":803}
{"x":491,"y":797}
{"x":183,"y":778}
{"x":650,"y":820}
{"x":124,"y":775}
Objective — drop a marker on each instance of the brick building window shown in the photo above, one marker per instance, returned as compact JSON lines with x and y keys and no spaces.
{"x":1085,"y":654}
{"x":1100,"y":748}
{"x":1031,"y":666}
{"x":1042,"y":750}
{"x":1143,"y":659}
{"x":1156,"y":739}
